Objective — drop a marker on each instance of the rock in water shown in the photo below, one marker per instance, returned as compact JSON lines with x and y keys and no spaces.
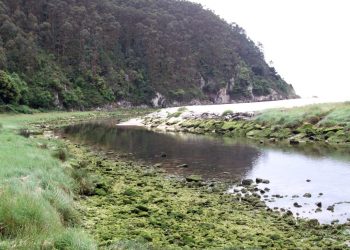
{"x":307,"y":195}
{"x":247,"y":182}
{"x":293,"y":142}
{"x":296,"y":204}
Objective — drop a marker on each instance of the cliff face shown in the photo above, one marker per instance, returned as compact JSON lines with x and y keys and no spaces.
{"x":86,"y":53}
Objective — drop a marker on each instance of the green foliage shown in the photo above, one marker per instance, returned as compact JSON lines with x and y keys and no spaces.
{"x":41,"y":98}
{"x":21,"y":109}
{"x":11,"y":88}
{"x":91,"y":53}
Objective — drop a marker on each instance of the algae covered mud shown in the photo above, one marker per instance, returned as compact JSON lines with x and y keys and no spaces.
{"x":311,"y":181}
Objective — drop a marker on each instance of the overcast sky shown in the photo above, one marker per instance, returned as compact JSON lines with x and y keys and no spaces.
{"x":307,"y":40}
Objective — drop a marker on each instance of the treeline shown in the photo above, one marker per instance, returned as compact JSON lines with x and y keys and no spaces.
{"x":86,"y":53}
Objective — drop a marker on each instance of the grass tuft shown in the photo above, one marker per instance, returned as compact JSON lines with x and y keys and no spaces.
{"x":74,"y":239}
{"x":61,"y":154}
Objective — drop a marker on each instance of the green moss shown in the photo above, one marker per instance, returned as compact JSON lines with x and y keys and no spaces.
{"x":171,"y":214}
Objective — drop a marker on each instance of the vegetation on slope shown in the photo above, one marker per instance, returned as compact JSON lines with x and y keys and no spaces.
{"x":76,"y":54}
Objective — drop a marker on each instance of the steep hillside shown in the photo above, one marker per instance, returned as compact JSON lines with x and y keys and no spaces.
{"x":87,"y":53}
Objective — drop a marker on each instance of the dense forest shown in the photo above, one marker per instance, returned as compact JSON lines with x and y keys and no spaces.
{"x":77,"y":54}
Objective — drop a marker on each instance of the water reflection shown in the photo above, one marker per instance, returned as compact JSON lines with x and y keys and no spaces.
{"x":209,"y":157}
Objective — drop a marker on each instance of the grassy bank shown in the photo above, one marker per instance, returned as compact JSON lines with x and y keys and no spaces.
{"x":328,"y":123}
{"x":37,"y":188}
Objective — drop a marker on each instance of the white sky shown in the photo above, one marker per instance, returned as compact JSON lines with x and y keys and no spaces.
{"x":307,"y":40}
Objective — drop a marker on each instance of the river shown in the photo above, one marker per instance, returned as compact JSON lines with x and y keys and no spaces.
{"x":319,"y":170}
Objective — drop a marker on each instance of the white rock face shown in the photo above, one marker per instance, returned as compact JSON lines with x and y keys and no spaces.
{"x":202,"y":82}
{"x":158,"y":101}
{"x":222,"y":97}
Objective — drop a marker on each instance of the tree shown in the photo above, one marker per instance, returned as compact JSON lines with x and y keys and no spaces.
{"x":9,"y":91}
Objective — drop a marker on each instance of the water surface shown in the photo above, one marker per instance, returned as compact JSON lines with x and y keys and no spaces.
{"x":288,"y":168}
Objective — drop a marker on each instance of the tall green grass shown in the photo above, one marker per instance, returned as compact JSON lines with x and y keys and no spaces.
{"x":37,"y":210}
{"x":320,"y":114}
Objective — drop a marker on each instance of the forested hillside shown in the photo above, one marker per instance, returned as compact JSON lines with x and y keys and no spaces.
{"x":87,"y":53}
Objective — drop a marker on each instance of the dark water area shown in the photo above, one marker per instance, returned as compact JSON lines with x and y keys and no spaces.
{"x":320,"y":170}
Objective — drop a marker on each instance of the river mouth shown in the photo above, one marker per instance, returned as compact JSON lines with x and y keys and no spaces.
{"x":311,"y":180}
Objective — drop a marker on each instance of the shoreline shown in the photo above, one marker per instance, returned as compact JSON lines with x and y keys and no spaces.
{"x":124,"y":204}
{"x":322,"y":123}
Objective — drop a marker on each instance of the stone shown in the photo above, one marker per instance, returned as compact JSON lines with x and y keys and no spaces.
{"x":334,"y":222}
{"x":183,"y":166}
{"x":319,"y":204}
{"x":247,"y":182}
{"x":258,"y":180}
{"x":158,"y":165}
{"x":266,"y":181}
{"x":296,"y":204}
{"x":163,"y":155}
{"x":307,"y":195}
{"x":295,"y":196}
{"x":194,"y":178}
{"x":278,"y":196}
{"x":308,"y":180}
{"x":330,"y":208}
{"x":294,"y":142}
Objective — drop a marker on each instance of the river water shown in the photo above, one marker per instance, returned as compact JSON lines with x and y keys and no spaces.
{"x":320,"y":170}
